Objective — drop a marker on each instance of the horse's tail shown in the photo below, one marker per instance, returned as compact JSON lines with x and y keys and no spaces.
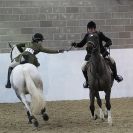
{"x":37,"y":100}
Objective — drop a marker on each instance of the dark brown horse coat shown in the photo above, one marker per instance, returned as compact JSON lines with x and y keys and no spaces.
{"x":100,"y":77}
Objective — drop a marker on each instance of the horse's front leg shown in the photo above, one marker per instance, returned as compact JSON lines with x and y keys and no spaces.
{"x":92,"y":107}
{"x":108,"y":106}
{"x":99,"y":102}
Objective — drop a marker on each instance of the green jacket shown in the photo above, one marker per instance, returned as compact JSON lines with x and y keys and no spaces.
{"x":29,"y":50}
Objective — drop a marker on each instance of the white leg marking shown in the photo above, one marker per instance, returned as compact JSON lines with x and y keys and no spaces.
{"x":101,"y":114}
{"x":109,"y":118}
{"x":106,"y":113}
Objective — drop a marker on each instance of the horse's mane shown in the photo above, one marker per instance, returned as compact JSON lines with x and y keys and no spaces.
{"x":14,"y":52}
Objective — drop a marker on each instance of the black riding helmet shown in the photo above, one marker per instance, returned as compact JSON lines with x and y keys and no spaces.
{"x":37,"y":37}
{"x":91,"y":25}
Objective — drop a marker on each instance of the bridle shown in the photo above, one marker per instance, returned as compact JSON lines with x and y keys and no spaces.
{"x":94,"y":45}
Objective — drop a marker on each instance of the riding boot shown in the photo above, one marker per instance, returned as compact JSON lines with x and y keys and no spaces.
{"x":8,"y":85}
{"x":118,"y":78}
{"x":85,"y":85}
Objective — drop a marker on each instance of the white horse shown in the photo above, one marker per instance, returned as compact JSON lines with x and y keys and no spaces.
{"x":25,"y":79}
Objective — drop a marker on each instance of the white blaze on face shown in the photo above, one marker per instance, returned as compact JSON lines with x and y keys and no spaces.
{"x":91,"y":35}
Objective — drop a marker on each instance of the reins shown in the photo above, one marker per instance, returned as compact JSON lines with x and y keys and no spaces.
{"x":9,"y":43}
{"x":69,"y":49}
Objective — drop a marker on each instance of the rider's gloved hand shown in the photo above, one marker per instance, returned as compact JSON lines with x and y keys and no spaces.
{"x":73,"y":44}
{"x":61,"y":51}
{"x":108,"y":44}
{"x":106,"y":53}
{"x":38,"y":64}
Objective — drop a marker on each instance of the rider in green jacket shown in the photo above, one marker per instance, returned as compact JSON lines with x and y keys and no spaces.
{"x":28,"y":54}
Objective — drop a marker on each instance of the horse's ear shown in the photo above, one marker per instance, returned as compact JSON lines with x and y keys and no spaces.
{"x":9,"y":43}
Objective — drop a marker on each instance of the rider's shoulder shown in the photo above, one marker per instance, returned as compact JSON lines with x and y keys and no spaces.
{"x":99,"y":32}
{"x":21,"y":43}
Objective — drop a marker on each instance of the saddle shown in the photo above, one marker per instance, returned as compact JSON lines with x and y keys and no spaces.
{"x":107,"y":61}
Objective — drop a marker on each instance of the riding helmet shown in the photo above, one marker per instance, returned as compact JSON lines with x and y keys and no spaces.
{"x":37,"y":37}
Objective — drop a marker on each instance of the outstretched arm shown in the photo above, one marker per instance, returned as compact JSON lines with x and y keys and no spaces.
{"x":50,"y":51}
{"x":20,"y":46}
{"x":82,"y":43}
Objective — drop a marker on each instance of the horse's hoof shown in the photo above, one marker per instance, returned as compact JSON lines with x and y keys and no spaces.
{"x":35,"y":122}
{"x":106,"y":116}
{"x":102,"y":117}
{"x":45,"y":117}
{"x":95,"y":117}
{"x":110,"y":121}
{"x":29,"y":122}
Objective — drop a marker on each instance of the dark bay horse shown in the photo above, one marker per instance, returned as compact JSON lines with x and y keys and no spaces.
{"x":99,"y":77}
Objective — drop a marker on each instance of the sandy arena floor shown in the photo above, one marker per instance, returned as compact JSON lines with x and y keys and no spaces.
{"x":68,"y":117}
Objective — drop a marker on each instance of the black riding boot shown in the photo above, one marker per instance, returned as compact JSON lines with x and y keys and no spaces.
{"x":118,"y":78}
{"x":8,"y":85}
{"x":85,"y":85}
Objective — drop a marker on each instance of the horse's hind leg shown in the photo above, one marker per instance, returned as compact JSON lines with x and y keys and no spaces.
{"x":31,"y":118}
{"x":44,"y":114}
{"x":26,"y":106}
{"x":99,"y":102}
{"x":92,"y":107}
{"x":108,"y":106}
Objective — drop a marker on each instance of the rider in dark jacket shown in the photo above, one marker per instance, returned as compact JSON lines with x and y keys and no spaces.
{"x":91,"y":28}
